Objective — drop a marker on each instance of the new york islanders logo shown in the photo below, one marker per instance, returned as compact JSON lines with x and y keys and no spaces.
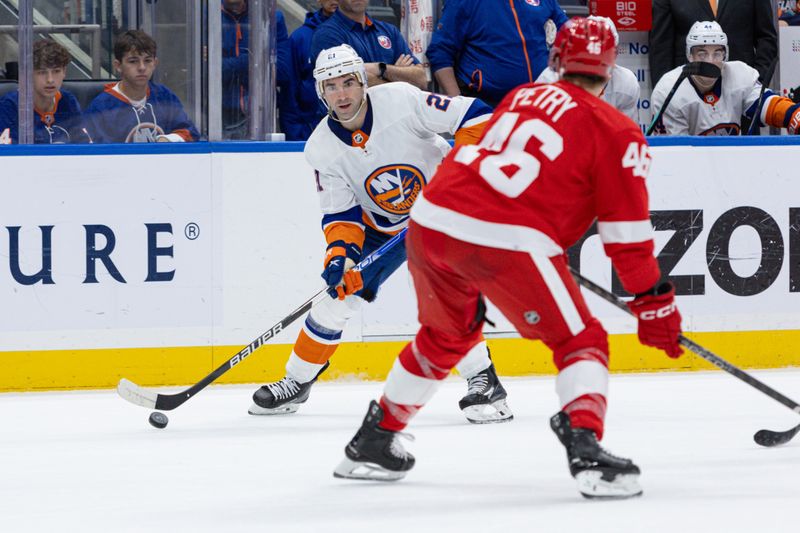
{"x":385,"y":42}
{"x":144,"y":132}
{"x":534,"y":3}
{"x":395,"y":188}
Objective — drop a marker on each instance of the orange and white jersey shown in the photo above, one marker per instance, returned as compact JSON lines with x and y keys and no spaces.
{"x":621,"y":91}
{"x":374,"y":175}
{"x":717,"y":112}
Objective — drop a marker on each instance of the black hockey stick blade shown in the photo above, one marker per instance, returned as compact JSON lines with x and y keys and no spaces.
{"x":722,"y":364}
{"x":701,"y":68}
{"x":769,"y":438}
{"x":137,"y":395}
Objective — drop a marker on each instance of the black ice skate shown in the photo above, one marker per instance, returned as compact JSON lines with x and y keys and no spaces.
{"x":375,"y":453}
{"x":485,"y":401}
{"x":282,"y":397}
{"x":598,"y":473}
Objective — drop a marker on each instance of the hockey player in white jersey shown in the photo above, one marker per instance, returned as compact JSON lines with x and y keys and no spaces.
{"x":372,"y":155}
{"x":622,"y":90}
{"x":714,"y":106}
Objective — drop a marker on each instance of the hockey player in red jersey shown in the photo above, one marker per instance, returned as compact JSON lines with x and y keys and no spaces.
{"x":495,"y":221}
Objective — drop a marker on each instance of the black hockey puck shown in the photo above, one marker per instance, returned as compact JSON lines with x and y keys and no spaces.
{"x":158,"y":420}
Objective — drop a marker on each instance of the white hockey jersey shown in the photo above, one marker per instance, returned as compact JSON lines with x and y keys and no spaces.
{"x":622,"y":90}
{"x":374,"y":175}
{"x":717,"y":112}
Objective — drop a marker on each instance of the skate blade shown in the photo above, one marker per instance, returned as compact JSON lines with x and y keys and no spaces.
{"x":349,"y":469}
{"x":592,"y":486}
{"x":489,"y":413}
{"x":287,"y":409}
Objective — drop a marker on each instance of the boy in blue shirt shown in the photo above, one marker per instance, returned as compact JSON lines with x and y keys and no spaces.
{"x":135,"y":109}
{"x":57,"y":113}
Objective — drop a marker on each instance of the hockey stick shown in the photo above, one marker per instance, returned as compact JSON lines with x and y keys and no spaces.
{"x":696,"y":68}
{"x":166,"y":402}
{"x":763,"y":437}
{"x":764,"y":83}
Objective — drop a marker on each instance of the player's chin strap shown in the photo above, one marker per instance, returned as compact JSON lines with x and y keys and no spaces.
{"x":333,"y":115}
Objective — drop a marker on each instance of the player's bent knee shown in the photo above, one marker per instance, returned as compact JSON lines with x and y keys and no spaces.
{"x":591,"y":344}
{"x":333,"y":314}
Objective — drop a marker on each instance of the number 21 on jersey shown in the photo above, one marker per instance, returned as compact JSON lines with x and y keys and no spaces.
{"x":491,"y":167}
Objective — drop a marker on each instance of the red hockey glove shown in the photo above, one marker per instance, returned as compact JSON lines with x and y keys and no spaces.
{"x":341,"y":257}
{"x":659,"y":319}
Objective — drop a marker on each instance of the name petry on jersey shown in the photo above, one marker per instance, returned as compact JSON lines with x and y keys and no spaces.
{"x":553,"y":159}
{"x":374,"y":175}
{"x":112,"y":118}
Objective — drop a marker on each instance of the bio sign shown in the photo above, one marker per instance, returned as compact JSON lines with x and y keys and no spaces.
{"x":628,"y":15}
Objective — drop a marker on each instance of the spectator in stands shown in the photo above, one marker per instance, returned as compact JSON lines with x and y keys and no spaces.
{"x":485,"y":48}
{"x":135,"y":109}
{"x":789,"y":13}
{"x":57,"y":113}
{"x":381,"y":45}
{"x":305,"y":110}
{"x":749,"y":25}
{"x":236,"y":66}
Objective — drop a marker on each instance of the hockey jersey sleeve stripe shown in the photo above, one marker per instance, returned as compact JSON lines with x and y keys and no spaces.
{"x":625,"y":232}
{"x":470,"y":135}
{"x":352,"y":215}
{"x":476,"y":113}
{"x":345,"y":226}
{"x":493,"y":234}
{"x":345,"y":231}
{"x":778,"y":111}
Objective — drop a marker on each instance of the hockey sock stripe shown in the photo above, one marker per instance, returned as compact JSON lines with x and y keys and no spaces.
{"x":311,"y":350}
{"x":396,"y":416}
{"x":587,"y":411}
{"x":580,"y":378}
{"x":403,"y":387}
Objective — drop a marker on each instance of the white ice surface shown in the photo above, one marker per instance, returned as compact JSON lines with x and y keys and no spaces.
{"x":90,"y":462}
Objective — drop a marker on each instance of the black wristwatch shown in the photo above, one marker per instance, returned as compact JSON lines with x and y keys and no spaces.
{"x":382,"y":71}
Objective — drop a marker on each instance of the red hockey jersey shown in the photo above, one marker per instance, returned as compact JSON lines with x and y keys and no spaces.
{"x":553,"y":159}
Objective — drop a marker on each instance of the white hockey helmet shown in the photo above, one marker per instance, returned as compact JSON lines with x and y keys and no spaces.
{"x":706,"y":32}
{"x":610,"y":23}
{"x":338,"y":61}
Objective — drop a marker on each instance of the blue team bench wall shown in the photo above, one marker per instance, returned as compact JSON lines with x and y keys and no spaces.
{"x":249,"y":147}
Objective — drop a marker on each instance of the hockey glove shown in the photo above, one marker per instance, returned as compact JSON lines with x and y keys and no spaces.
{"x":659,"y":319}
{"x":339,"y":277}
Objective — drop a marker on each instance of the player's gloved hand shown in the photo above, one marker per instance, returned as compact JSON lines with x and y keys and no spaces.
{"x":659,"y":319}
{"x":339,"y":277}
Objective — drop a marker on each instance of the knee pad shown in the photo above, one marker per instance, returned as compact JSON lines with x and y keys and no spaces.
{"x":434,"y":354}
{"x":332,"y":314}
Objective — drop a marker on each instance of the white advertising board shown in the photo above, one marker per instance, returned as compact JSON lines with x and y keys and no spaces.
{"x":215,"y":248}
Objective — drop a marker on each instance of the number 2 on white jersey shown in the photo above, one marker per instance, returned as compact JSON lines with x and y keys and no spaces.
{"x":528,"y":166}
